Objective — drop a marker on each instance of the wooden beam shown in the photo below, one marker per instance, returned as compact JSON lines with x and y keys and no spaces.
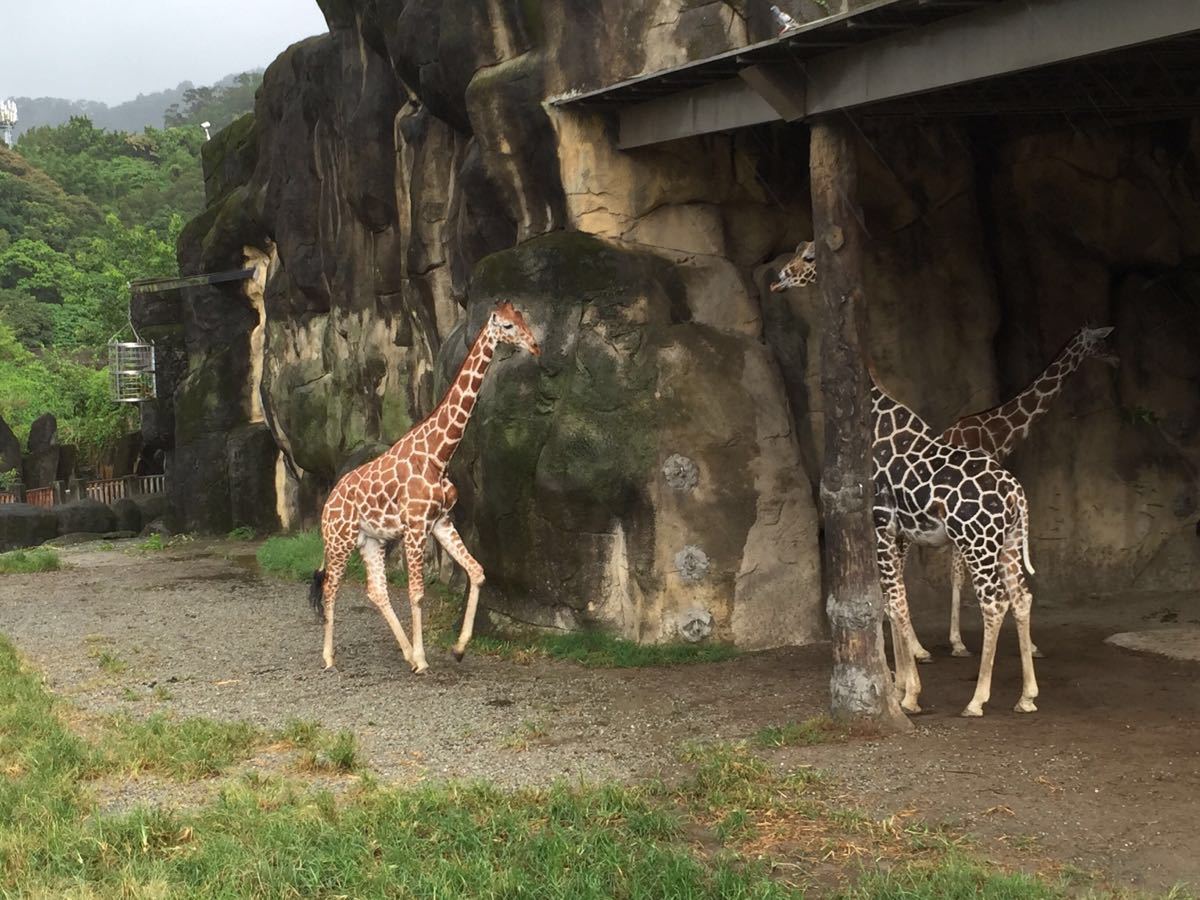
{"x":861,"y":685}
{"x":997,"y":40}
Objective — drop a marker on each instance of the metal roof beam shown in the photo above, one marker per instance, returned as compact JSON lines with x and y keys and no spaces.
{"x":997,"y":39}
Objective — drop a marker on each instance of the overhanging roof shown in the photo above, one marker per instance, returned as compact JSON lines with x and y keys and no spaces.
{"x":866,"y":23}
{"x":935,"y":57}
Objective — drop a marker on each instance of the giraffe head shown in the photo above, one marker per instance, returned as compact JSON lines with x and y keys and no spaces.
{"x":507,"y":326}
{"x":800,"y":270}
{"x":1091,"y":342}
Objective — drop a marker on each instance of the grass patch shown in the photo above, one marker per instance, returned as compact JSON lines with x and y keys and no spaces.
{"x":184,"y":749}
{"x":109,"y":662}
{"x":23,"y":562}
{"x":153,"y":543}
{"x":296,"y":556}
{"x":951,"y":877}
{"x":593,"y":649}
{"x":241,"y":533}
{"x":816,"y":730}
{"x":273,"y":837}
{"x":322,"y":751}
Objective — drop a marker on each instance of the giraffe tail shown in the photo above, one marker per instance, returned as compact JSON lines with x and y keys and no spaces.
{"x":316,"y":593}
{"x":1023,"y":512}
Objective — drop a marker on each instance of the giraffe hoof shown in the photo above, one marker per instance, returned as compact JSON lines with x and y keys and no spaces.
{"x":1037,"y":654}
{"x":960,"y":652}
{"x":1025,"y":705}
{"x":330,"y":669}
{"x":911,"y":710}
{"x":459,"y":654}
{"x":926,"y":659}
{"x":972,"y":711}
{"x":420,"y":670}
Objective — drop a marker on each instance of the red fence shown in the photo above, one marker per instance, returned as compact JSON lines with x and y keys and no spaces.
{"x":106,"y":490}
{"x":40,"y":496}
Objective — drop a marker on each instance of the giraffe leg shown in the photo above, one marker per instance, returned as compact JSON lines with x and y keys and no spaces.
{"x":958,"y":575}
{"x":1022,"y":603}
{"x":447,"y":535}
{"x":919,"y":652}
{"x":993,"y":604}
{"x":414,"y":552}
{"x":890,"y":553}
{"x":374,"y":557}
{"x":337,"y":552}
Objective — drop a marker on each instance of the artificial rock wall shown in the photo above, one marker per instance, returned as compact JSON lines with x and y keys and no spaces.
{"x":659,"y":462}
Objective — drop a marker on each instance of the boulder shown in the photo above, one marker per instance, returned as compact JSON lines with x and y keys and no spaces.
{"x":152,"y":506}
{"x":637,"y":439}
{"x":85,"y":515}
{"x":43,"y":433}
{"x":10,"y":450}
{"x":40,"y":467}
{"x":128,"y":515}
{"x":22,"y":525}
{"x":252,"y":470}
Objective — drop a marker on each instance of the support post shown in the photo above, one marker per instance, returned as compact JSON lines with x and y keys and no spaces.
{"x":861,"y":685}
{"x":18,"y":491}
{"x":60,"y":492}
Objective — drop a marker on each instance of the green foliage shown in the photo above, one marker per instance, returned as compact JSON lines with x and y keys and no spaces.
{"x":22,"y":562}
{"x":153,"y":543}
{"x":596,"y":649}
{"x":77,"y":395}
{"x":241,"y":533}
{"x":218,"y":104}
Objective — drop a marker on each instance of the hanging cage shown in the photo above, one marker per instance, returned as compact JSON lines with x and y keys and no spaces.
{"x":131,"y":369}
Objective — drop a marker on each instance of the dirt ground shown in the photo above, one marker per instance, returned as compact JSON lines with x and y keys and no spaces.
{"x":1105,"y":777}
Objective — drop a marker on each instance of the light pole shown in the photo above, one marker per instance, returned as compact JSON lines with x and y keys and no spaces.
{"x":8,"y":118}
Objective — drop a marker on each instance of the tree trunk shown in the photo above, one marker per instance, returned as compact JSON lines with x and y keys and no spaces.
{"x":861,"y":685}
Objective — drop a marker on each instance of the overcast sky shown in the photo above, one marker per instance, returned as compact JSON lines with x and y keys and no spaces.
{"x":112,"y":51}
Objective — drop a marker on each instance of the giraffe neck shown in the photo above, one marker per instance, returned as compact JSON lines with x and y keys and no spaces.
{"x":1002,"y":428}
{"x":446,"y":424}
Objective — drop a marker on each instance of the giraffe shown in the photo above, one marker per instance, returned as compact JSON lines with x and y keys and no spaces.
{"x":405,"y":494}
{"x":997,"y":432}
{"x":929,"y":492}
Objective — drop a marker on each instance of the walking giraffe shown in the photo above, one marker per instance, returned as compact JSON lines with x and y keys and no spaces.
{"x":996,"y":431}
{"x":404,"y":493}
{"x":929,"y":492}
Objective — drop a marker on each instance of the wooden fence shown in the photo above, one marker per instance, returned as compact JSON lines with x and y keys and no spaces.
{"x":40,"y":496}
{"x":106,"y":490}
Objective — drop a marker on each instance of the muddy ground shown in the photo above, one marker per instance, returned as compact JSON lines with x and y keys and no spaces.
{"x":1105,"y":777}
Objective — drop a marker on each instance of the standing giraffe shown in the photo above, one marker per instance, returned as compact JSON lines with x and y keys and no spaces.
{"x":404,"y":493}
{"x":929,"y":492}
{"x":995,"y":431}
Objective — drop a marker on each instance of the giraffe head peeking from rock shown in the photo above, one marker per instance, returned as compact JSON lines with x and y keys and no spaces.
{"x":507,"y":326}
{"x":801,"y":270}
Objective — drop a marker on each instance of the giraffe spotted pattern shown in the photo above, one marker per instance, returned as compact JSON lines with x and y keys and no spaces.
{"x":997,"y":432}
{"x":929,"y":492}
{"x":404,"y":494}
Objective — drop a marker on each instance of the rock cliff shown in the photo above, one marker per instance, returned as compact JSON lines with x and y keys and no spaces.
{"x":404,"y":171}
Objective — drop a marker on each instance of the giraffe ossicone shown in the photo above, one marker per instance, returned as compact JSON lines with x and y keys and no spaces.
{"x":404,"y":494}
